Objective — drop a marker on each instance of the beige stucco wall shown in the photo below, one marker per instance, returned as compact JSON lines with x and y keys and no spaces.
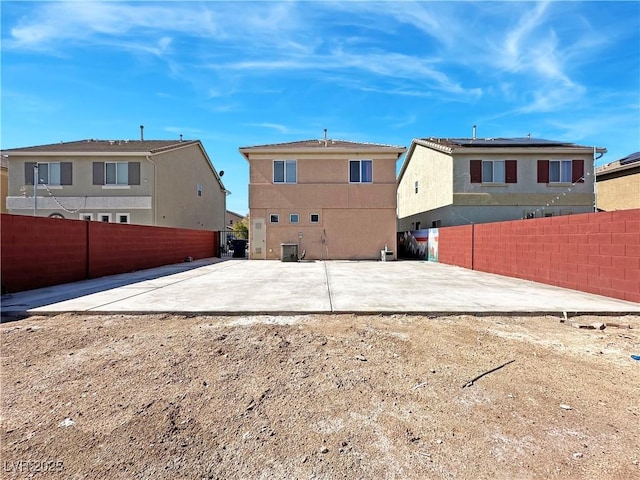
{"x":356,"y":220}
{"x":4,"y":189}
{"x":619,"y":193}
{"x":433,"y":172}
{"x":178,"y":205}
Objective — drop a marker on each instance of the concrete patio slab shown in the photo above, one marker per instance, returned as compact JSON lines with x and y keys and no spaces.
{"x":235,"y":286}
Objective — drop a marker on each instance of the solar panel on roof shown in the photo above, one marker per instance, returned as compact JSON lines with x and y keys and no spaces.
{"x":634,"y":157}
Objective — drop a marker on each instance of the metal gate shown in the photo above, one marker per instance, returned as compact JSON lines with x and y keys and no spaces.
{"x":230,"y":246}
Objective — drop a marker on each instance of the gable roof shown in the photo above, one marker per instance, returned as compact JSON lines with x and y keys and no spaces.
{"x":452,"y":146}
{"x":314,"y":145}
{"x":142,"y":147}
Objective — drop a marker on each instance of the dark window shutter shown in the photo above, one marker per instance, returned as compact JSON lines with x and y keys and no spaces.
{"x":98,"y":173}
{"x":66,"y":173}
{"x":28,"y":172}
{"x":543,"y":171}
{"x":511,"y":171}
{"x":475,"y":169}
{"x":577,"y":171}
{"x":134,"y":173}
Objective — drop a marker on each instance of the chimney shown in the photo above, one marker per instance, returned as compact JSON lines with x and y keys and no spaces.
{"x":141,"y":132}
{"x":325,"y":137}
{"x":474,"y":132}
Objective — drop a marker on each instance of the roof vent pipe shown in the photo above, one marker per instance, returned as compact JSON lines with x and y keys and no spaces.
{"x":474,"y":132}
{"x":141,"y":132}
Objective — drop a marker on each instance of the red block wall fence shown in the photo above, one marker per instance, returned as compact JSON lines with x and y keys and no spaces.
{"x":38,"y":251}
{"x":593,"y":252}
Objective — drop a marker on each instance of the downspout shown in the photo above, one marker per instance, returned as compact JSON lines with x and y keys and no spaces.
{"x":155,"y":190}
{"x":595,"y":179}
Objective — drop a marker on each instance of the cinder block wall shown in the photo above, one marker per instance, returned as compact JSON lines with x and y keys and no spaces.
{"x":455,"y":246}
{"x":39,"y":251}
{"x":593,"y":252}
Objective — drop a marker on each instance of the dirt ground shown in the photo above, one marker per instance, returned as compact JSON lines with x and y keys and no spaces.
{"x":339,"y":396}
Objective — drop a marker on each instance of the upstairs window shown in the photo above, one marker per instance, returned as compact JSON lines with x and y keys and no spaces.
{"x":285,"y":171}
{"x":415,"y":186}
{"x":116,"y":173}
{"x":493,"y":171}
{"x":560,"y":171}
{"x":49,"y":173}
{"x":360,"y":171}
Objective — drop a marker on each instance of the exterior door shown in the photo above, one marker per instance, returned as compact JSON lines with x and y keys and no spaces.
{"x":258,"y":239}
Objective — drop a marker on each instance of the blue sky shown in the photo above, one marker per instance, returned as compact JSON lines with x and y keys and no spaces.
{"x":240,"y":73}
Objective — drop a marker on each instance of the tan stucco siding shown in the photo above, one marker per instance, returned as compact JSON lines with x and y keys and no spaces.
{"x":345,"y":234}
{"x":4,"y":189}
{"x":178,"y":174}
{"x":433,"y":172}
{"x":619,"y":193}
{"x":323,"y":196}
{"x":521,"y":199}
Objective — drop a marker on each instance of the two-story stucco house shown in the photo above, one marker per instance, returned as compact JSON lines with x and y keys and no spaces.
{"x":446,"y":182}
{"x":332,"y":199}
{"x":149,"y":182}
{"x":618,"y":184}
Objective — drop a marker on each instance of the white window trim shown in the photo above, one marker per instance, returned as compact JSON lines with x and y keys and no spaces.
{"x":128,"y":215}
{"x":359,"y":160}
{"x":100,"y":215}
{"x":82,"y":215}
{"x":311,"y":218}
{"x":284,"y":160}
{"x":493,"y":182}
{"x":561,"y":182}
{"x":277,"y":215}
{"x":49,"y":187}
{"x":48,"y":183}
{"x":116,"y":187}
{"x":291,"y":218}
{"x":116,"y":184}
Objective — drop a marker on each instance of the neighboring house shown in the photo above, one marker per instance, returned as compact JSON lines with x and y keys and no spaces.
{"x":232,"y":218}
{"x":445,"y":182}
{"x":149,"y":182}
{"x":333,"y":199}
{"x":4,"y":184}
{"x":618,"y":184}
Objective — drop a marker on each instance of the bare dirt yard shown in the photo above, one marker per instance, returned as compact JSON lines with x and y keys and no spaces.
{"x":342,"y":396}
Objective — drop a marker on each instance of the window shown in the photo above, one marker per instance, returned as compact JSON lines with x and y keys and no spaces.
{"x":315,"y":218}
{"x":415,"y":186}
{"x":116,"y":173}
{"x":285,"y":171}
{"x":560,"y":171}
{"x":199,"y":189}
{"x":49,"y":173}
{"x":294,"y":218}
{"x":86,"y":216}
{"x":124,"y":218}
{"x":104,"y":217}
{"x":274,"y":218}
{"x":493,"y":171}
{"x":360,"y":171}
{"x":417,"y":225}
{"x":436,"y":223}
